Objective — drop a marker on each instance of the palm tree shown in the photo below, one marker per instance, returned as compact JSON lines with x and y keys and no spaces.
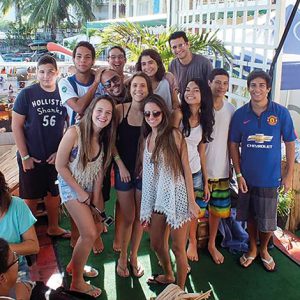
{"x":51,"y":13}
{"x":6,"y":5}
{"x":136,"y":38}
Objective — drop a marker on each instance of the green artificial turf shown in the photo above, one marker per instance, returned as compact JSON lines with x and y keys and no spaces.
{"x":229,"y":281}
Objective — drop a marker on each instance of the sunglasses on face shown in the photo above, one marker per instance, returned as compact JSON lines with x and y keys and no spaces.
{"x":16,"y":258}
{"x":155,"y":113}
{"x":115,"y":79}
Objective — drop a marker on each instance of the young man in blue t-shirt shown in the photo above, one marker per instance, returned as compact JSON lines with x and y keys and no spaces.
{"x":258,"y":128}
{"x":38,"y":122}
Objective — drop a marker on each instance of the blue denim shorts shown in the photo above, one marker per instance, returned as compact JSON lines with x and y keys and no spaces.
{"x":23,"y":270}
{"x":65,"y":191}
{"x":135,"y":183}
{"x":198,"y":186}
{"x":198,"y":181}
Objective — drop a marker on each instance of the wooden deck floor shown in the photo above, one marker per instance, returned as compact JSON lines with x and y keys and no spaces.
{"x":45,"y":268}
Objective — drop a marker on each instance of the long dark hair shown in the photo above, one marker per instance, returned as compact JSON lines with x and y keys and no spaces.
{"x":161,"y":71}
{"x":106,"y":136}
{"x":5,"y":197}
{"x":165,"y":143}
{"x":206,"y":112}
{"x":4,"y":252}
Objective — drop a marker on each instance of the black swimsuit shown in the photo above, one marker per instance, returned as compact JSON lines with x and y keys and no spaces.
{"x":127,"y":142}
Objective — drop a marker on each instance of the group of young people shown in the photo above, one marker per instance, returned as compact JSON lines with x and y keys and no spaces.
{"x":168,"y":146}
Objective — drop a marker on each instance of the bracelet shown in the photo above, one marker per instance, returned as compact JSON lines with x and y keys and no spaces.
{"x":239,"y":175}
{"x":25,"y":157}
{"x":117,"y":157}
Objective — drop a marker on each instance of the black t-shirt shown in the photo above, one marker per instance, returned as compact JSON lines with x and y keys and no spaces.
{"x":44,"y":122}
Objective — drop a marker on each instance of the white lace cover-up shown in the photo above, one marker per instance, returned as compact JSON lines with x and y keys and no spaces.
{"x":85,"y":177}
{"x":160,"y":193}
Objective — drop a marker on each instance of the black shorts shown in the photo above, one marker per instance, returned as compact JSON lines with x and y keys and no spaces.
{"x":36,"y":183}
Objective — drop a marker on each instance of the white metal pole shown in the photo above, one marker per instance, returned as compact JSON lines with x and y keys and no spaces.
{"x":279,"y":28}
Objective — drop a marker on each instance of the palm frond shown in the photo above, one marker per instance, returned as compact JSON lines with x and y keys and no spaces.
{"x":84,"y":8}
{"x":208,"y":41}
{"x":135,"y":39}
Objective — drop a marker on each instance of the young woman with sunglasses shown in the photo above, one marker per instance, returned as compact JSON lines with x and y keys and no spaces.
{"x":127,"y":183}
{"x":195,"y":120}
{"x":17,"y":228}
{"x":167,"y":197}
{"x":163,"y":83}
{"x":82,"y":159}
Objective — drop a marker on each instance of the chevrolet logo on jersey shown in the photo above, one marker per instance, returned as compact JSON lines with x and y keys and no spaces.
{"x":259,"y":138}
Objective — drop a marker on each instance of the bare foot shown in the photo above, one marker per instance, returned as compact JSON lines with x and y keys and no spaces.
{"x":105,"y":230}
{"x":88,"y":271}
{"x":72,"y":243}
{"x":116,"y":246}
{"x":98,"y":246}
{"x":216,"y":255}
{"x":191,"y":252}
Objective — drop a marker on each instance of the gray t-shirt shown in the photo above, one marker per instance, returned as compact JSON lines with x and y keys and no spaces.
{"x":199,"y":67}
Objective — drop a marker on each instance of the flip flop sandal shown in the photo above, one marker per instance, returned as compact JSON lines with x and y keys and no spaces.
{"x":153,"y":280}
{"x":91,"y":291}
{"x":88,"y":272}
{"x":137,"y":271}
{"x":64,"y":235}
{"x":124,"y":271}
{"x":267,"y":263}
{"x":244,"y":259}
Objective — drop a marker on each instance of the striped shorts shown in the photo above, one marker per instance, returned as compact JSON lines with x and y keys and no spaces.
{"x":220,"y":202}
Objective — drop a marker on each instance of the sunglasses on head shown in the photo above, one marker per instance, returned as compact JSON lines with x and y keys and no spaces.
{"x":16,"y":258}
{"x":155,"y":113}
{"x":115,"y":79}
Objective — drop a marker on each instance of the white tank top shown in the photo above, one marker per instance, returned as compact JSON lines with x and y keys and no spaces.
{"x":192,"y":141}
